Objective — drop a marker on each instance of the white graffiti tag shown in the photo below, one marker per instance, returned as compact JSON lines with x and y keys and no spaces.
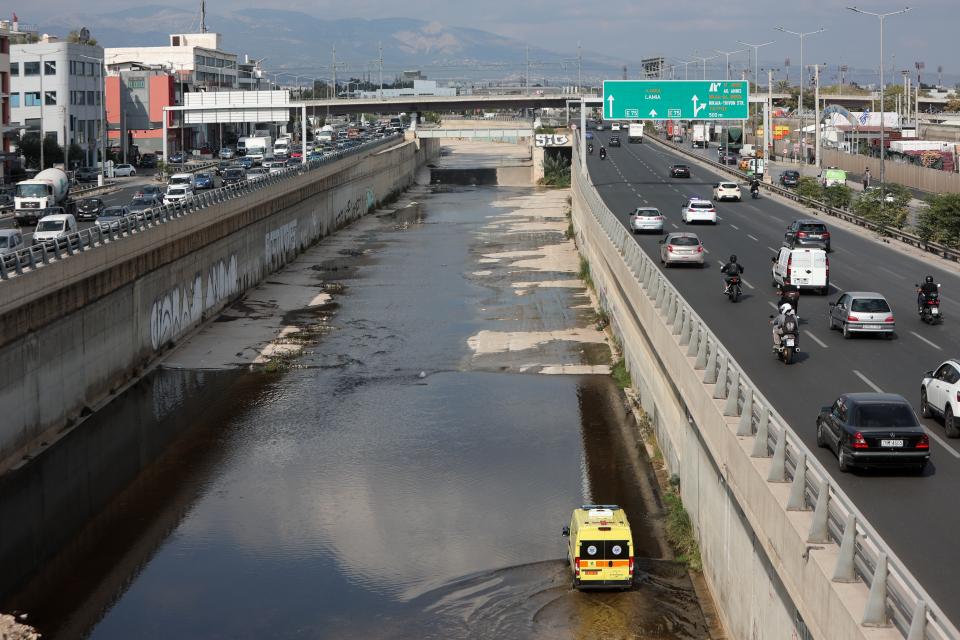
{"x":278,"y":244}
{"x":222,"y":283}
{"x":175,"y":311}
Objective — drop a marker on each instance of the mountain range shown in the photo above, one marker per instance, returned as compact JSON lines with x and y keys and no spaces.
{"x":299,"y":42}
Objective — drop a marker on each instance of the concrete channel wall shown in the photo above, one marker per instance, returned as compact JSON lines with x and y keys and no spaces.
{"x":76,"y":330}
{"x":772,"y":560}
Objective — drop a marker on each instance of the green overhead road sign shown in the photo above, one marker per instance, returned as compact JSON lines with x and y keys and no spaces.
{"x":675,"y":100}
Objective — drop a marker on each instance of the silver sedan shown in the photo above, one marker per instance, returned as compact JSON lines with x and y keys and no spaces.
{"x":862,"y":312}
{"x":646,"y":219}
{"x":681,"y":248}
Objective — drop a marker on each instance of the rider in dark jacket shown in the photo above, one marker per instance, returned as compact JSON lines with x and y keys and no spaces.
{"x":928,"y":287}
{"x":731,"y":270}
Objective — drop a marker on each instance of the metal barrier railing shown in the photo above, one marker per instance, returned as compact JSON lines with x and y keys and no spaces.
{"x":906,"y":237}
{"x":895,"y":597}
{"x":29,"y":258}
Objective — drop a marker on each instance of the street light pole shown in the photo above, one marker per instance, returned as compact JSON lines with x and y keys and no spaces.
{"x":728,"y":54}
{"x":756,"y":58}
{"x":801,"y":35}
{"x":881,"y":16}
{"x":704,"y":61}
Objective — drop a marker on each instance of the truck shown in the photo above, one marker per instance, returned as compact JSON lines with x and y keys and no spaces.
{"x":732,"y":140}
{"x":325,"y":134}
{"x":49,"y":189}
{"x":635,"y":132}
{"x":700,"y":139}
{"x":256,"y":147}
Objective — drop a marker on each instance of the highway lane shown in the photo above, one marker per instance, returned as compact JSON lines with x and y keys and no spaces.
{"x":914,"y":514}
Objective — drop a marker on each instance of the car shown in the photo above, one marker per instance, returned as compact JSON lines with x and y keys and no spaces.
{"x":728,"y":158}
{"x":112,"y":217}
{"x":679,"y":171}
{"x":873,"y":429}
{"x":10,"y":241}
{"x":678,"y":139}
{"x":599,"y":126}
{"x":614,"y":141}
{"x":203,"y":181}
{"x":646,"y":219}
{"x":178,"y":193}
{"x":124,"y":170}
{"x":681,"y":248}
{"x":807,"y":233}
{"x":940,"y":395}
{"x":278,"y":167}
{"x":234,"y":175}
{"x":87,"y":174}
{"x":294,"y":162}
{"x":89,"y":208}
{"x":802,"y":267}
{"x":726,"y":191}
{"x":148,"y":161}
{"x":697,"y":210}
{"x":143,"y":203}
{"x":862,"y":312}
{"x":226,"y":153}
{"x":589,"y":135}
{"x":789,"y":178}
{"x":7,"y":201}
{"x":245,"y":162}
{"x":222,"y":166}
{"x":600,"y":548}
{"x":54,"y":227}
{"x":314,"y":155}
{"x":615,"y":126}
{"x":257,"y":173}
{"x":153,"y":190}
{"x":177,"y":158}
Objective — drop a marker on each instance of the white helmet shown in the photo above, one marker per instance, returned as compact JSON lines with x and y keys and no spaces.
{"x":785,"y":308}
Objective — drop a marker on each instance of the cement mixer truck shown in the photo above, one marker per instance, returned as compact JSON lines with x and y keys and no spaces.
{"x":33,"y":198}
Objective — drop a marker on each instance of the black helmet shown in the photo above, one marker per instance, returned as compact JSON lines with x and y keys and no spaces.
{"x":929,"y":279}
{"x":733,"y":258}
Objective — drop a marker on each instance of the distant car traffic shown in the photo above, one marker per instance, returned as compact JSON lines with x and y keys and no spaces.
{"x":178,"y":193}
{"x":873,"y":429}
{"x":726,"y":191}
{"x":807,"y":233}
{"x":790,"y":178}
{"x":10,"y":241}
{"x":177,"y":157}
{"x":111,"y":218}
{"x":202,"y":181}
{"x":679,"y":171}
{"x":697,"y":210}
{"x":728,"y":158}
{"x":89,"y":208}
{"x":87,"y":174}
{"x":148,"y":161}
{"x":227,"y":153}
{"x":234,"y":175}
{"x":646,"y":219}
{"x":124,"y":170}
{"x":681,"y":248}
{"x":940,"y":395}
{"x":862,"y":312}
{"x":614,"y":141}
{"x":149,"y":190}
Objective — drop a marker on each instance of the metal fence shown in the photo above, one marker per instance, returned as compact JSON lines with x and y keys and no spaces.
{"x":29,"y":258}
{"x":909,"y":175}
{"x":895,"y":595}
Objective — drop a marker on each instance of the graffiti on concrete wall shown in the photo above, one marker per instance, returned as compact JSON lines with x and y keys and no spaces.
{"x":222,"y":282}
{"x":279,"y":244}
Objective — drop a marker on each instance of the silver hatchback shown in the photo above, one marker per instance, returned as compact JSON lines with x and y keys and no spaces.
{"x":862,"y":312}
{"x":646,"y":219}
{"x":681,"y":248}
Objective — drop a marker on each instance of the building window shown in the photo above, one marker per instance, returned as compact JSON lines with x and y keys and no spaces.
{"x":32,"y":124}
{"x":81,"y":131}
{"x":73,"y":67}
{"x":90,"y":97}
{"x":31,"y":99}
{"x":14,"y":68}
{"x":90,"y":68}
{"x":81,"y":97}
{"x":137,"y":83}
{"x":97,"y":94}
{"x":14,"y":100}
{"x":49,"y":67}
{"x":50,"y":98}
{"x":31,"y":68}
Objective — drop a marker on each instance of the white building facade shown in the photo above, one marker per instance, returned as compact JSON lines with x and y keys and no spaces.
{"x":196,"y":57}
{"x":57,"y":87}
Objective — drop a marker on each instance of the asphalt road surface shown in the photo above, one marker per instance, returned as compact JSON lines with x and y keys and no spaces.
{"x":915,"y":515}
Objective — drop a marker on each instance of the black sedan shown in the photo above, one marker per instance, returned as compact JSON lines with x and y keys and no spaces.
{"x":873,"y":429}
{"x":679,"y":171}
{"x":728,"y":158}
{"x":790,"y":178}
{"x":614,"y":141}
{"x":89,"y":208}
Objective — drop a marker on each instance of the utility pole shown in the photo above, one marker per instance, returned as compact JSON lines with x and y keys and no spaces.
{"x":334,"y":67}
{"x":801,"y":35}
{"x":579,"y":69}
{"x":526,"y":76}
{"x":768,"y":117}
{"x":816,"y":111}
{"x":381,"y":69}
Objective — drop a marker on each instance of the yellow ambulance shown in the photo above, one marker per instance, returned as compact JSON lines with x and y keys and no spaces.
{"x":600,"y":547}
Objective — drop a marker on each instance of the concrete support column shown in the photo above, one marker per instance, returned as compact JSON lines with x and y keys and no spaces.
{"x":745,"y":426}
{"x":710,"y":373}
{"x":844,"y":571}
{"x":819,"y":533}
{"x":797,"y":500}
{"x":701,"y":361}
{"x":778,"y":470}
{"x":875,"y":613}
{"x":918,"y":624}
{"x":720,"y":390}
{"x":760,"y":449}
{"x":732,"y":408}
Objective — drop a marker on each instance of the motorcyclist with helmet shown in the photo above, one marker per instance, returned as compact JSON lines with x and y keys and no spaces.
{"x":754,"y":187}
{"x":590,"y":148}
{"x":789,"y":294}
{"x":603,"y":152}
{"x":927,"y":289}
{"x":785,"y":322}
{"x":731,"y":270}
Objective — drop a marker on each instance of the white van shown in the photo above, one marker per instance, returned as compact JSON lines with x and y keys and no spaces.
{"x":183,"y":179}
{"x":54,"y":227}
{"x":803,"y":268}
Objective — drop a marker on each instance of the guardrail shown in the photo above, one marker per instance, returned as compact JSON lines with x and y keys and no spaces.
{"x":895,"y":595}
{"x":906,"y":237}
{"x":30,"y":258}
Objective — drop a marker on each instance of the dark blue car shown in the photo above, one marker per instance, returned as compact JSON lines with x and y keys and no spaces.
{"x":245,"y":162}
{"x":203,"y":181}
{"x":176,"y":158}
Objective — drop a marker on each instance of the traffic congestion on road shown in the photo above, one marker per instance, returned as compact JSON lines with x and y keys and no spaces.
{"x":895,"y":353}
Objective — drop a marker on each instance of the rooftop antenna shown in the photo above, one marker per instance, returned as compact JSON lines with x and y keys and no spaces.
{"x":203,"y":16}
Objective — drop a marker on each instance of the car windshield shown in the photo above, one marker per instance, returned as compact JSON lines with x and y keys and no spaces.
{"x":113,"y":212}
{"x":3,"y":242}
{"x":176,"y":192}
{"x":232,"y":173}
{"x":728,"y":185}
{"x":684,"y":241}
{"x":646,"y":212}
{"x":90,"y":204}
{"x":870,"y":305}
{"x":680,"y":166}
{"x":32,"y":190}
{"x":815,"y":228}
{"x":885,"y":415}
{"x":203,"y":176}
{"x":701,"y":205}
{"x":50,"y":225}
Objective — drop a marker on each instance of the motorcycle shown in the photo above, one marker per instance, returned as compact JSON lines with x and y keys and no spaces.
{"x":790,"y":296}
{"x":733,"y":289}
{"x":755,"y":193}
{"x":590,"y":149}
{"x":603,"y":154}
{"x":930,"y":308}
{"x":789,"y":341}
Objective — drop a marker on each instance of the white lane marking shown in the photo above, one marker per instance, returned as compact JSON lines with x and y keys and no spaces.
{"x":751,"y":237}
{"x":837,"y":285}
{"x":674,"y":226}
{"x":942,"y":442}
{"x":775,"y":308}
{"x":747,"y":283}
{"x":816,"y":339}
{"x":733,"y":226}
{"x":920,"y":337}
{"x":891,"y":272}
{"x":772,"y":249}
{"x":867,"y":381}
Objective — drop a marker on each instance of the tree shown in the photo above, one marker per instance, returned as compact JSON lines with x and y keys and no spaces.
{"x":808,"y":187}
{"x":939,"y":221}
{"x":556,"y":171}
{"x":953,"y":105}
{"x":29,"y":146}
{"x":886,"y":206}
{"x":838,"y":196}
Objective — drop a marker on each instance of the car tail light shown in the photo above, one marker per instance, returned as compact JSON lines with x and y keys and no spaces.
{"x":859,"y":442}
{"x":789,"y":268}
{"x":923,"y":442}
{"x":853,"y":319}
{"x":958,"y":395}
{"x":630,"y":566}
{"x":825,"y":234}
{"x":801,"y":234}
{"x":576,"y":567}
{"x":828,"y":268}
{"x":660,"y":218}
{"x":888,"y":319}
{"x":669,"y":248}
{"x":700,"y":248}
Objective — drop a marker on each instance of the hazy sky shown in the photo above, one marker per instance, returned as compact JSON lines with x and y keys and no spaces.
{"x":674,"y":28}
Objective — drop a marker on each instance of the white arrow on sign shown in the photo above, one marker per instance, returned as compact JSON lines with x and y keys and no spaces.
{"x":610,"y":100}
{"x":653,"y":113}
{"x":696,"y":109}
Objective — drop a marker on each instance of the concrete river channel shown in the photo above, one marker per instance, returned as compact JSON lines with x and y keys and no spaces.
{"x":371,"y":445}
